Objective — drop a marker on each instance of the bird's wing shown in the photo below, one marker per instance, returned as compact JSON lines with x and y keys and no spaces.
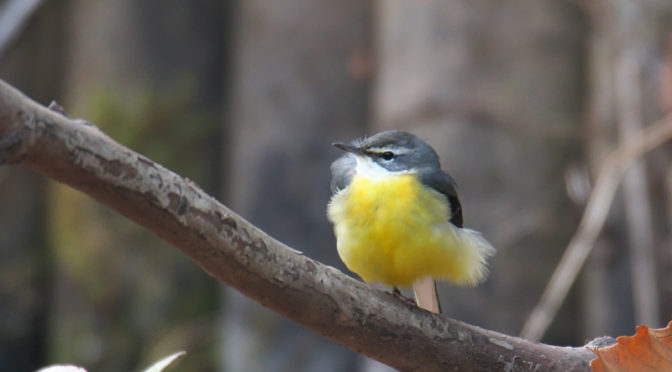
{"x":342,"y":170}
{"x":444,"y":183}
{"x":425,"y":289}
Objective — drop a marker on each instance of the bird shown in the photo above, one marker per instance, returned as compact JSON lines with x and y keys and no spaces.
{"x":398,"y":220}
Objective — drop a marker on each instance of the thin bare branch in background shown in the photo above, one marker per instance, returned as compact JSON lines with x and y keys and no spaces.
{"x":591,"y":224}
{"x":14,"y":15}
{"x":635,"y":195}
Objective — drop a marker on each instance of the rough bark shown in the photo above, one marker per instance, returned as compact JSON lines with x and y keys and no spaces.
{"x":237,"y":253}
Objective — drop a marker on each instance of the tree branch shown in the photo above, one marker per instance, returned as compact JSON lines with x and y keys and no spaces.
{"x":237,"y":253}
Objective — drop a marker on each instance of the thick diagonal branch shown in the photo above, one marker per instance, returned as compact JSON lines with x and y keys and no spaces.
{"x":235,"y":252}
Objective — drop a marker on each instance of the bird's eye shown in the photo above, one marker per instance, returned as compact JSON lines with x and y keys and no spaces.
{"x":388,"y":155}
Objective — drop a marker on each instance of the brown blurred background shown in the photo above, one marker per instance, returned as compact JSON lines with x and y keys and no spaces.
{"x":522,"y":99}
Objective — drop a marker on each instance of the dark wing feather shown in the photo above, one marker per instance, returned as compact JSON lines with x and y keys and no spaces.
{"x":444,"y":183}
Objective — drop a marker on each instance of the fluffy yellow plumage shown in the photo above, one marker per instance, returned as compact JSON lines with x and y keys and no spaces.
{"x":393,"y":230}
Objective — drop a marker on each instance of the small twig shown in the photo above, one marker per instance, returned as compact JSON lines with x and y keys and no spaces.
{"x":591,"y":224}
{"x":13,"y":17}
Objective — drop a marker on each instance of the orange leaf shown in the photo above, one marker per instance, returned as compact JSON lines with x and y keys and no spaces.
{"x":648,"y":350}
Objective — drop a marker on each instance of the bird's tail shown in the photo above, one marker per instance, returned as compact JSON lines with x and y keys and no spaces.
{"x":476,"y":252}
{"x":426,"y":296}
{"x":472,"y":263}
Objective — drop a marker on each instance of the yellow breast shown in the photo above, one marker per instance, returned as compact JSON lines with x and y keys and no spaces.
{"x":393,"y":230}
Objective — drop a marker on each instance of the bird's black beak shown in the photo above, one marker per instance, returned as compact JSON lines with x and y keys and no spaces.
{"x":349,"y":148}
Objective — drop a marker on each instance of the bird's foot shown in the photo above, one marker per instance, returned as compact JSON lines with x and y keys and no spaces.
{"x":397,"y":293}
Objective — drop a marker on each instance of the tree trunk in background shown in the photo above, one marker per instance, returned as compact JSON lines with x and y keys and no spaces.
{"x":629,"y":89}
{"x":34,"y":65}
{"x":502,"y":106}
{"x":301,"y":78}
{"x":154,"y":69}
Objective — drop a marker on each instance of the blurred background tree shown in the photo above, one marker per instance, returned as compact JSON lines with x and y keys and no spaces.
{"x":522,"y":100}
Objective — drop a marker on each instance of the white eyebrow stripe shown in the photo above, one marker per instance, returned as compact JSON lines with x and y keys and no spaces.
{"x":395,"y":149}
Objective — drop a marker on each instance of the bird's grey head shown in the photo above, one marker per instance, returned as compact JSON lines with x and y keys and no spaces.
{"x":392,"y":150}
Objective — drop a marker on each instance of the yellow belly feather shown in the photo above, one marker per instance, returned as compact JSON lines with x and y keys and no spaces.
{"x":393,"y":230}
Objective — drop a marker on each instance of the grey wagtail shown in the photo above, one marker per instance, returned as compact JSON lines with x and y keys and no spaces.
{"x":398,"y":220}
